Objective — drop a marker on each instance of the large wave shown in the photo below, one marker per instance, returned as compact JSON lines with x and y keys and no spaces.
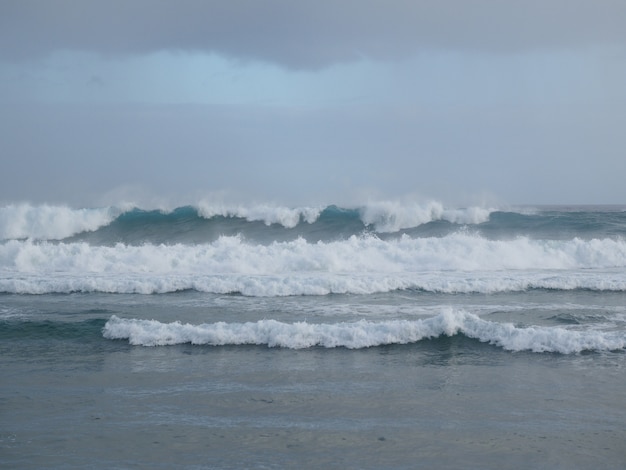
{"x":364,"y":334}
{"x":49,"y":222}
{"x":207,"y":220}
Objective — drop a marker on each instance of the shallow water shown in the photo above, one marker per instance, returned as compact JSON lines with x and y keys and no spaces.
{"x":73,"y":399}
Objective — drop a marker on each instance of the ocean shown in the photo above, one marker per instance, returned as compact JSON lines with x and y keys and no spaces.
{"x":387,"y":335}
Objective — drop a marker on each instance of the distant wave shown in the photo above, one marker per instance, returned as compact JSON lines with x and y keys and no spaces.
{"x":383,"y":217}
{"x":364,"y":334}
{"x":205,"y":221}
{"x":49,"y":222}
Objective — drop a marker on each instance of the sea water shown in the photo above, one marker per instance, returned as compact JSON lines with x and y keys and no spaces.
{"x":258,"y":336}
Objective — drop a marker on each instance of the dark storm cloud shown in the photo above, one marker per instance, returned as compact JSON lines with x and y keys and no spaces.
{"x":305,"y":34}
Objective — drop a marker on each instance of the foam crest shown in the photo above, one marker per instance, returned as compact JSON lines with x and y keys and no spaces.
{"x":47,"y":222}
{"x":384,"y":216}
{"x":268,"y":214}
{"x":388,"y":216}
{"x":363,"y":334}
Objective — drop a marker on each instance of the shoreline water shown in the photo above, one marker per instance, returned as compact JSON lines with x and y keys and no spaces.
{"x":448,"y":403}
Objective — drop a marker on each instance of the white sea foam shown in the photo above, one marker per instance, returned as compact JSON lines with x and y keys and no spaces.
{"x":457,"y":263}
{"x":266,"y":213}
{"x":384,"y":216}
{"x":50,"y":222}
{"x":363,"y":334}
{"x":313,"y":284}
{"x":390,"y":216}
{"x":368,"y":254}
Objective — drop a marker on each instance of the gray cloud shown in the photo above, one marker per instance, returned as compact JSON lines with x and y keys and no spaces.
{"x":545,"y":125}
{"x":305,"y":34}
{"x":76,"y":153}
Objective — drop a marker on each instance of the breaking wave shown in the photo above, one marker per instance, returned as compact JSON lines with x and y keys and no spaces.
{"x":45,"y":222}
{"x":456,"y":263}
{"x":48,"y":222}
{"x":364,"y":334}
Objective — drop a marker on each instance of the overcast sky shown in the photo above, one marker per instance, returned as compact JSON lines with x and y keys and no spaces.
{"x":313,"y":102}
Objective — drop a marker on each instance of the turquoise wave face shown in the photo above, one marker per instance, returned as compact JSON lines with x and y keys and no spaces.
{"x":268,"y":223}
{"x":187,"y":225}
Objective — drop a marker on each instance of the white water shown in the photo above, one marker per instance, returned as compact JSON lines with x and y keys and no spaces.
{"x":364,"y":334}
{"x":312,"y":284}
{"x":456,"y":263}
{"x":391,"y":216}
{"x":266,"y":213}
{"x":51,"y":222}
{"x":457,"y":252}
